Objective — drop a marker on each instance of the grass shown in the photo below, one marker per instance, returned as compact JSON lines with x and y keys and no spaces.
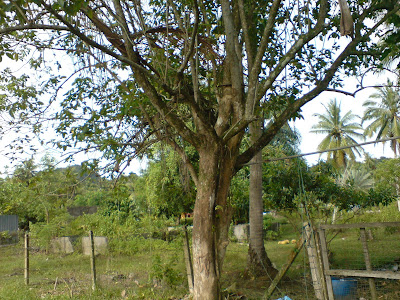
{"x":156,"y":270}
{"x":348,"y":252}
{"x":54,"y":276}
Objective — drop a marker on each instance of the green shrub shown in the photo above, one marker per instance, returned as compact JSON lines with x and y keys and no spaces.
{"x":271,"y":235}
{"x":5,"y":236}
{"x":272,"y":227}
{"x":42,"y":233}
{"x":380,"y":213}
{"x":165,"y":271}
{"x":126,"y":247}
{"x":126,"y":234}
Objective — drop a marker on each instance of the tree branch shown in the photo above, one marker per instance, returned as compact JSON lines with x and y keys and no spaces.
{"x":236,"y":76}
{"x":276,"y":124}
{"x":192,"y":39}
{"x":255,"y":67}
{"x":8,"y":30}
{"x":353,"y":94}
{"x":297,"y":46}
{"x":237,"y":128}
{"x":246,"y":34}
{"x":141,"y":74}
{"x":120,"y":17}
{"x":177,"y":15}
{"x":185,"y":159}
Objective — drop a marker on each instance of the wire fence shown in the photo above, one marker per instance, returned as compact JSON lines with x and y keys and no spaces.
{"x":365,"y":260}
{"x":153,"y":267}
{"x":141,"y":267}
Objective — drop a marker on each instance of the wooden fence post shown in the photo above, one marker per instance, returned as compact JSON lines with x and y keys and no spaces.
{"x":367,"y":259}
{"x":315,"y":263}
{"x":92,"y":260}
{"x":26,"y":270}
{"x":317,"y":240}
{"x":325,"y":261}
{"x":284,"y":268}
{"x":188,"y":260}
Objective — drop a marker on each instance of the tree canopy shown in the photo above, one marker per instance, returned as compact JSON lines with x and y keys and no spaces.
{"x":174,"y":55}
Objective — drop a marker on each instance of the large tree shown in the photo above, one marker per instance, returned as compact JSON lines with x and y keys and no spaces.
{"x":189,"y":73}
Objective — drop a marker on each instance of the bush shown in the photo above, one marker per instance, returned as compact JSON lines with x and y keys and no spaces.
{"x":379,"y":213}
{"x":165,"y":271}
{"x":126,"y":235}
{"x":271,"y":235}
{"x":7,"y":238}
{"x":272,"y":227}
{"x":42,"y":233}
{"x":126,"y":247}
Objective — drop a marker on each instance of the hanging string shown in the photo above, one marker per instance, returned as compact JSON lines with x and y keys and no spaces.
{"x":304,"y":211}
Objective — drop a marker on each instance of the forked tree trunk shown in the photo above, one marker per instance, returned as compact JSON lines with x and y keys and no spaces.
{"x":258,"y":263}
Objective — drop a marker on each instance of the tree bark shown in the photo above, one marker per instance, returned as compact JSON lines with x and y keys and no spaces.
{"x":258,"y":263}
{"x":206,"y":274}
{"x":212,"y":216}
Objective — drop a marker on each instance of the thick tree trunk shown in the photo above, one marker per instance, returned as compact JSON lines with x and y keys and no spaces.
{"x":224,"y":210}
{"x":211,"y":221}
{"x":258,"y":263}
{"x":212,"y":216}
{"x":206,"y":279}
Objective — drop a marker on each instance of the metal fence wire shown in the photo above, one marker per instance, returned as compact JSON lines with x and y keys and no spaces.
{"x":361,"y":261}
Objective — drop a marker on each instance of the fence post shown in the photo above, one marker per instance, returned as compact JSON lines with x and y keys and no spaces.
{"x":92,"y":260}
{"x":318,"y":247}
{"x":26,"y":270}
{"x":325,"y":261}
{"x":367,"y":259}
{"x":315,"y":264}
{"x":284,"y":268}
{"x":188,"y":260}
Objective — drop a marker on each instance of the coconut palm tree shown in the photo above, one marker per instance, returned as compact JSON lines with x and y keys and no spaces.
{"x":340,"y":130}
{"x":258,"y":262}
{"x":383,"y":109}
